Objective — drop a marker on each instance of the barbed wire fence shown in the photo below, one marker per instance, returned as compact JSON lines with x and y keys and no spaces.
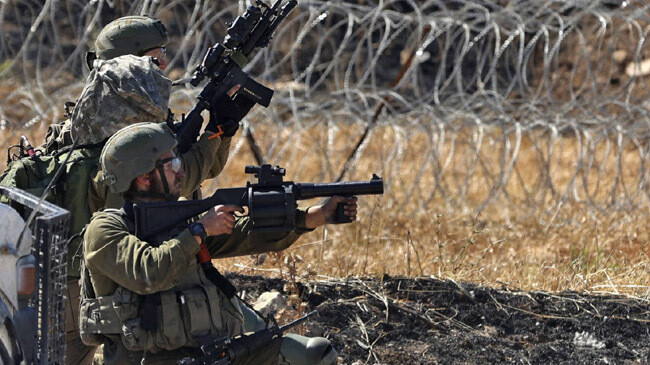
{"x":533,"y":103}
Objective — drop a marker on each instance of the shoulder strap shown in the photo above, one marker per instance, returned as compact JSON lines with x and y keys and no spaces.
{"x":78,"y":147}
{"x":86,"y":288}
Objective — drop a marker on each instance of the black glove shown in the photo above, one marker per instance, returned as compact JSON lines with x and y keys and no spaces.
{"x":227,"y":108}
{"x":226,"y":113}
{"x":222,"y":126}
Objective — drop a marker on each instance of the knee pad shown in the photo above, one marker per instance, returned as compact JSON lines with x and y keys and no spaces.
{"x":301,"y":350}
{"x":252,"y":322}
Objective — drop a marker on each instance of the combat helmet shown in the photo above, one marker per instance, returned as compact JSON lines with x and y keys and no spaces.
{"x":130,"y":35}
{"x":133,"y":151}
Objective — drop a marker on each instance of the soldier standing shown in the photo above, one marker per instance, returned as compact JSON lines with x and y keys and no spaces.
{"x":129,"y":35}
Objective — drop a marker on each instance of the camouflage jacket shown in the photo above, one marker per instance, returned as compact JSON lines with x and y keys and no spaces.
{"x":117,"y":260}
{"x":119,"y":92}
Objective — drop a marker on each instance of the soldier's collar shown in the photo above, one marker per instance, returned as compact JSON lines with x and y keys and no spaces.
{"x":128,"y":209}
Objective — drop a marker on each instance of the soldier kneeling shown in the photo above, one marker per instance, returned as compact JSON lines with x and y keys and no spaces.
{"x":150,"y":301}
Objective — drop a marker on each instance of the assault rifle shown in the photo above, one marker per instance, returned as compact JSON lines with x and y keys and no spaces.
{"x":225,"y":351}
{"x":223,"y":64}
{"x":271,"y":202}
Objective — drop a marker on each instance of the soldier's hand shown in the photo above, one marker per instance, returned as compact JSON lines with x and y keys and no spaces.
{"x":322,"y":214}
{"x":220,"y":219}
{"x":226,"y":112}
{"x":233,"y":90}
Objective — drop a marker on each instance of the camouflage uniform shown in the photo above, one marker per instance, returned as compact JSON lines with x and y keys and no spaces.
{"x":116,"y":258}
{"x":151,"y":299}
{"x":120,"y":92}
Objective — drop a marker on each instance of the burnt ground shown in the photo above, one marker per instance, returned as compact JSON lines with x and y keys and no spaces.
{"x":397,"y":320}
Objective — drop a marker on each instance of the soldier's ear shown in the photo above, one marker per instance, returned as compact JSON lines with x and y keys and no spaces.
{"x":143,"y":182}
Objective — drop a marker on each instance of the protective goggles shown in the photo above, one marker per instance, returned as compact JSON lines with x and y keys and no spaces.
{"x":176,"y":163}
{"x":163,"y":50}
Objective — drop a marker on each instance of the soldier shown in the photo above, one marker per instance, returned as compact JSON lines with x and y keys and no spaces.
{"x":120,"y":92}
{"x":126,"y":85}
{"x":151,"y":301}
{"x":129,"y":35}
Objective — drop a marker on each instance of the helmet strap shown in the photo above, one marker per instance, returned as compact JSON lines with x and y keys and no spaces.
{"x":90,"y":59}
{"x":167,"y":196}
{"x":163,"y":178}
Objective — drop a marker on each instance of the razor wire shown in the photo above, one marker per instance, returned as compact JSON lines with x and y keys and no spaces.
{"x":477,"y":105}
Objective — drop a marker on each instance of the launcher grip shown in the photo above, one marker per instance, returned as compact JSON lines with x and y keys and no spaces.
{"x":340,"y":216}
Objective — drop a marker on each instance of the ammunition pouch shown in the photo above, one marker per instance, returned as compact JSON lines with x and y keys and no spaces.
{"x":182,"y":316}
{"x":96,"y":314}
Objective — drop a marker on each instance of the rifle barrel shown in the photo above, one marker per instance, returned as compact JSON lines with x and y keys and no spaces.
{"x":314,"y":190}
{"x":298,"y":321}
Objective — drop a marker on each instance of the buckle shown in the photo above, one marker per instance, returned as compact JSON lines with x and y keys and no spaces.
{"x":95,"y":316}
{"x":109,"y":179}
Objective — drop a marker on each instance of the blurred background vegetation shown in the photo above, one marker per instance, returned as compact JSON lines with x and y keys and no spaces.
{"x":513,"y":136}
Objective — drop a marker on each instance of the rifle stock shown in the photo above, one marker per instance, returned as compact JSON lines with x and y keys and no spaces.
{"x":151,"y":218}
{"x":271,"y":202}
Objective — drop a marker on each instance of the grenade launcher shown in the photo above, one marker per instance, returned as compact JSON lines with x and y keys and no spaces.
{"x":271,"y":202}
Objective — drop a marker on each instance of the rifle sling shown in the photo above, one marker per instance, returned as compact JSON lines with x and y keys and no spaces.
{"x":219,"y":280}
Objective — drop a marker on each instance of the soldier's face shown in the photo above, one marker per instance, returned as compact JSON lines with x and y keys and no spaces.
{"x":160,"y":54}
{"x":174,"y":174}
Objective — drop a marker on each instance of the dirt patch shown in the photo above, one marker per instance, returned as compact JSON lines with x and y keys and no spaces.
{"x":432,"y":321}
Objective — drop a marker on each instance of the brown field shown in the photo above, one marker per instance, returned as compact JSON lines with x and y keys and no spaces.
{"x":575,"y":250}
{"x":523,"y":240}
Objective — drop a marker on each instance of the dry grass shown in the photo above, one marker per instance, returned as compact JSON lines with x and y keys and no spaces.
{"x":575,"y":249}
{"x":525,"y":240}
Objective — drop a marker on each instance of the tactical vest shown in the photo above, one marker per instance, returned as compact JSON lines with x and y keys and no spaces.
{"x":193,"y":310}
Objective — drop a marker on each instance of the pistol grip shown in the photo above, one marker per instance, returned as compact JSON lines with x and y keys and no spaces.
{"x":340,"y":214}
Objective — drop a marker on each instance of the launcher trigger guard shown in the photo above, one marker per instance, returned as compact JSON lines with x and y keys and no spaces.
{"x":246,"y":213}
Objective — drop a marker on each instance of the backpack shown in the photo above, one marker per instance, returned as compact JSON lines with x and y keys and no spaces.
{"x":118,"y":92}
{"x":34,"y":173}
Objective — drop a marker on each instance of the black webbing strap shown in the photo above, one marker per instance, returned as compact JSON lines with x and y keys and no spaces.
{"x":219,"y":280}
